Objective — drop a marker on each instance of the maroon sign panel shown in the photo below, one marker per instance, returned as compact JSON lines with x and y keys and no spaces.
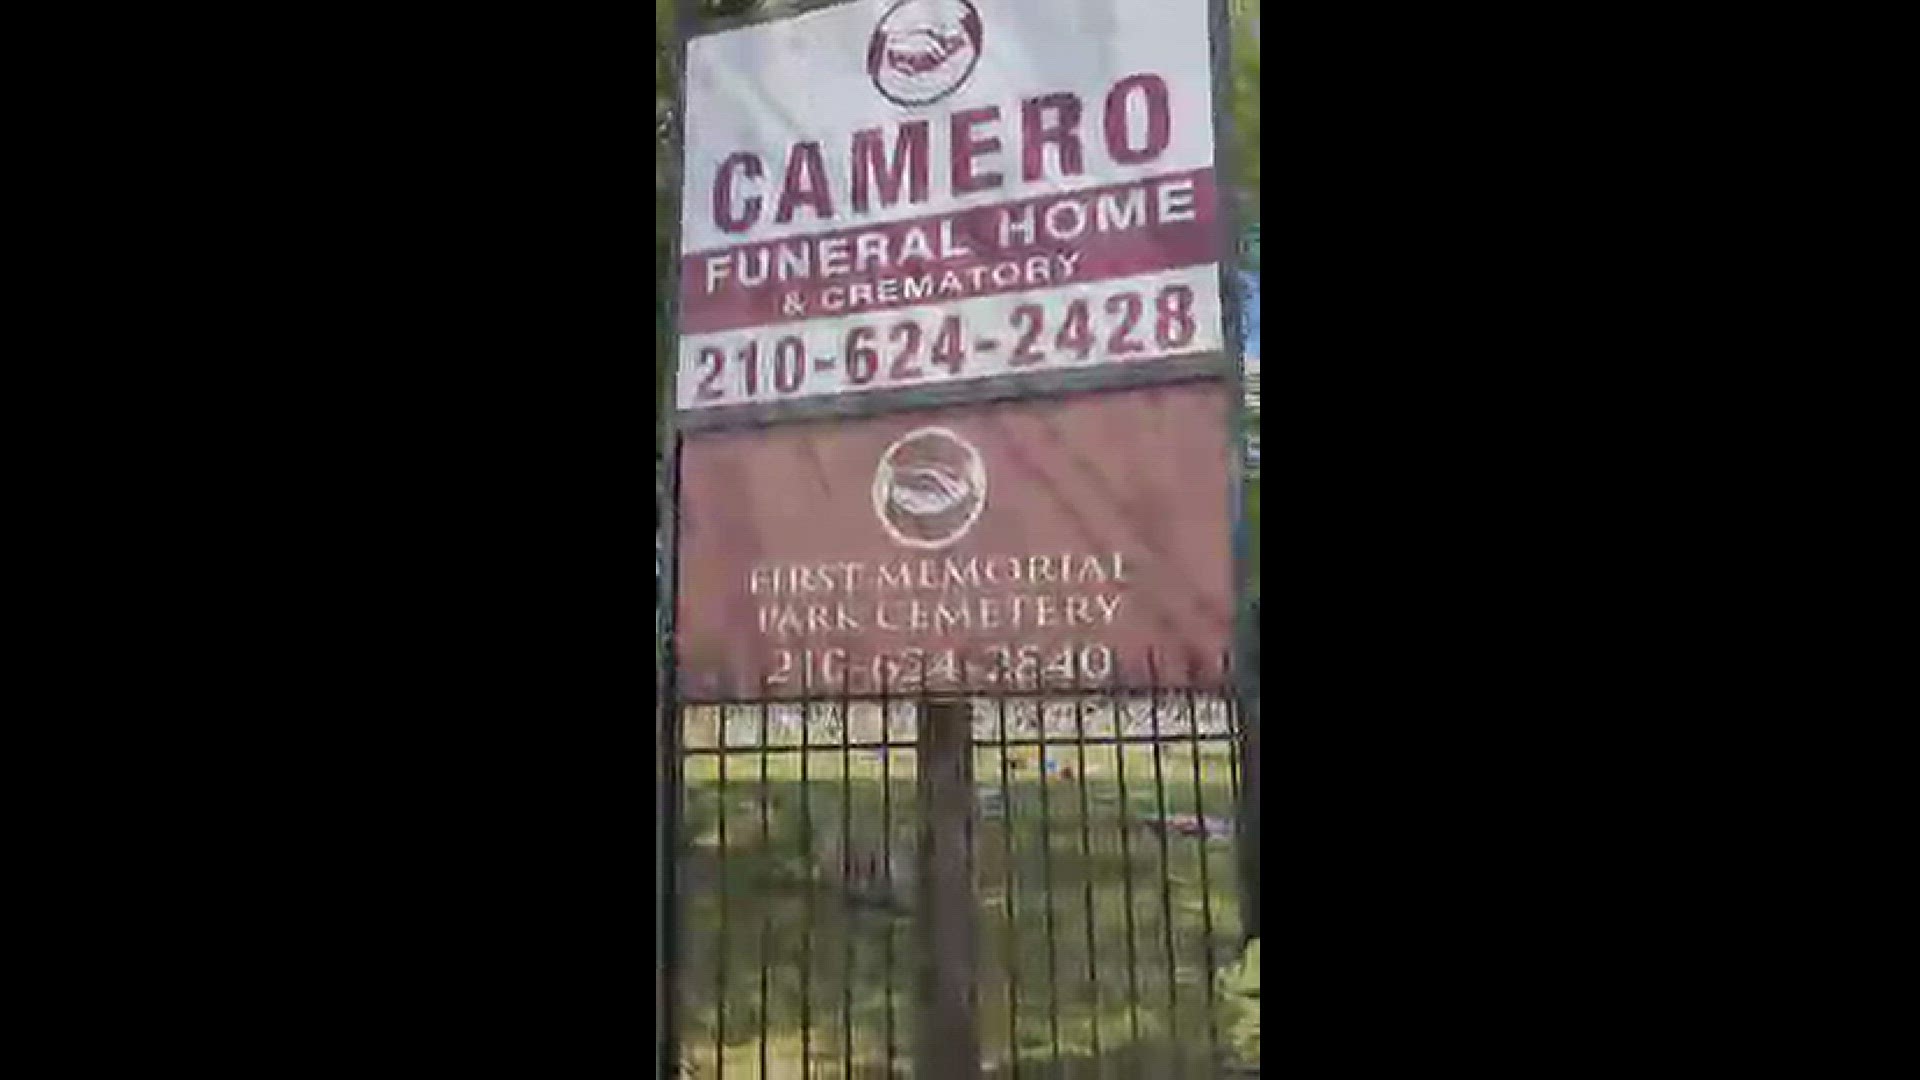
{"x":1028,"y":544}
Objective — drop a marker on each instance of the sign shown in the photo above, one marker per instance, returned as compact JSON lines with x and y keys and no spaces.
{"x":1033,"y":543}
{"x":896,"y":194}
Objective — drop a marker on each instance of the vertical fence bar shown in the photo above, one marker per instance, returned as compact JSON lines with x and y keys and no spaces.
{"x":846,"y":888}
{"x":667,"y":930}
{"x":1166,"y":865}
{"x":1126,"y":862}
{"x":1046,"y":884}
{"x":667,"y":881}
{"x":1086,"y":849}
{"x":808,"y":871}
{"x":673,"y":830}
{"x":1232,"y":738}
{"x":1008,"y":873}
{"x":766,"y":909}
{"x":1247,"y":836}
{"x":1206,"y":893}
{"x":886,"y":847}
{"x":720,"y":951}
{"x":963,"y":718}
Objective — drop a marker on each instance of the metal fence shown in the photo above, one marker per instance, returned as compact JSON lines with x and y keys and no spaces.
{"x":1059,"y":862}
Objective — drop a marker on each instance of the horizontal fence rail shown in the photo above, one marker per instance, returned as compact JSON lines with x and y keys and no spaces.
{"x":819,"y":910}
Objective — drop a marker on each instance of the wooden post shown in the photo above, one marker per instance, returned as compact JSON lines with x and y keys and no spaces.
{"x":948,"y":1044}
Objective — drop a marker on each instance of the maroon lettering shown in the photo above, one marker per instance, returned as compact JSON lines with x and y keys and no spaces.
{"x":966,"y":147}
{"x":723,"y":215}
{"x":806,"y":183}
{"x":909,"y":161}
{"x":1064,"y":133}
{"x":1159,"y":119}
{"x":887,"y":167}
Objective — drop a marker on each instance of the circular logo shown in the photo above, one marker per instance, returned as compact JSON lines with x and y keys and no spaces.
{"x":922,"y":50}
{"x":929,"y":488}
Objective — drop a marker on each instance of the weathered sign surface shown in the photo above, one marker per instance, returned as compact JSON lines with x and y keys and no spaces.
{"x":1036,"y":542}
{"x":903,"y":193}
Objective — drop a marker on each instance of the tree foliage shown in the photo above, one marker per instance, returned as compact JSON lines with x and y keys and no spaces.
{"x":1240,"y":996}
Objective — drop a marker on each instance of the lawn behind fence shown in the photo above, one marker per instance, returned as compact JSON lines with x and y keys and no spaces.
{"x":1103,"y":911}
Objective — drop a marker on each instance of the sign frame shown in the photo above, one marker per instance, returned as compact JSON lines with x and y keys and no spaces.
{"x":1000,"y":387}
{"x":1229,"y":366}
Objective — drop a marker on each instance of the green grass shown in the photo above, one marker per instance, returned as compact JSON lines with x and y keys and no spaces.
{"x":784,"y":903}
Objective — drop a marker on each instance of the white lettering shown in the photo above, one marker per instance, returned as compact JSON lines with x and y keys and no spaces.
{"x":915,"y":247}
{"x":1176,"y":201}
{"x":949,"y":247}
{"x":870,"y":248}
{"x":1023,"y":224}
{"x":1079,"y":610}
{"x":1061,"y":232}
{"x":793,"y":261}
{"x":833,"y":256}
{"x":1110,"y":215}
{"x":747,"y":276}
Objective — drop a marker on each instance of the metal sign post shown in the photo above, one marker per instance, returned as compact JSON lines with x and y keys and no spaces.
{"x":949,"y":1036}
{"x":1246,"y":661}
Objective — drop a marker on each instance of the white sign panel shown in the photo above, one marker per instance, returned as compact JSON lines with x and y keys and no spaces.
{"x":903,"y":192}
